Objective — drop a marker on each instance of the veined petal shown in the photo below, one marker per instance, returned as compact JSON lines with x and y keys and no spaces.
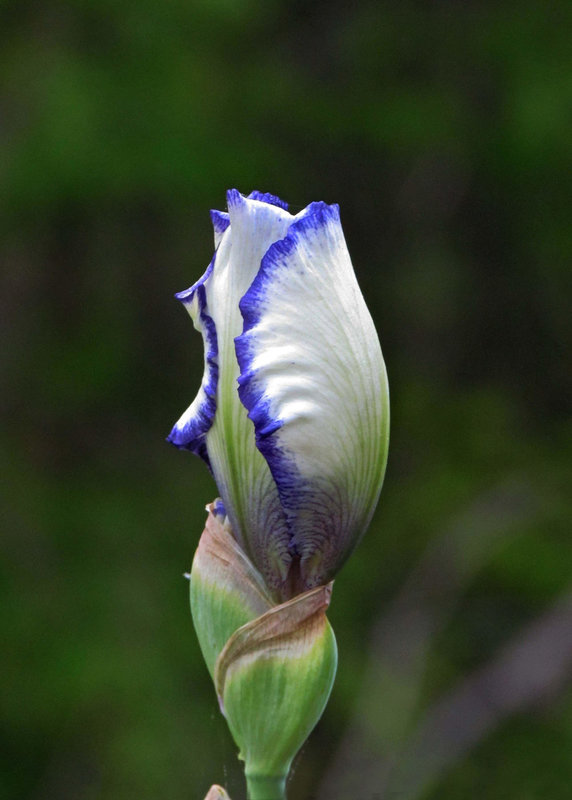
{"x":190,"y":432}
{"x":314,"y":383}
{"x":241,"y":472}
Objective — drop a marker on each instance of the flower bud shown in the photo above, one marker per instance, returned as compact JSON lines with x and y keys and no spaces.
{"x":292,"y":416}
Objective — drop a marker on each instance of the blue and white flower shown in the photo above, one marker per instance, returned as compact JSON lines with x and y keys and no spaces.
{"x":293,"y":412}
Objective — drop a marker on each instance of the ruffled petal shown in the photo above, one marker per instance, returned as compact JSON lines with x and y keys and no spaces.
{"x":271,"y":199}
{"x":190,"y":432}
{"x":314,"y":384}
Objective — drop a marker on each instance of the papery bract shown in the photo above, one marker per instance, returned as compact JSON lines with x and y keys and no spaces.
{"x":293,"y":412}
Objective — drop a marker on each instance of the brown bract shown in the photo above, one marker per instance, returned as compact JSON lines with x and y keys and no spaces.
{"x":288,"y":629}
{"x":217,"y":793}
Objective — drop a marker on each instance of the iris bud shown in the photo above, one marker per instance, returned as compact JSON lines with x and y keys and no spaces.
{"x":292,"y":418}
{"x":292,"y":415}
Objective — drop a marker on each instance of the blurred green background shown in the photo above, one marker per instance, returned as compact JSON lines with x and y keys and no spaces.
{"x":443,"y":130}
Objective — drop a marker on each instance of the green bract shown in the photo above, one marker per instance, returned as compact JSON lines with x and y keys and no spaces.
{"x":226,"y":590}
{"x":273,"y":665}
{"x":274,"y":678}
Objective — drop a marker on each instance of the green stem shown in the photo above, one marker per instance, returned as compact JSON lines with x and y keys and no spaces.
{"x":265,"y":787}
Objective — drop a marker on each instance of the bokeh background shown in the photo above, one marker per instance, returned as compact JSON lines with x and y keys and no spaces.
{"x":443,"y":129}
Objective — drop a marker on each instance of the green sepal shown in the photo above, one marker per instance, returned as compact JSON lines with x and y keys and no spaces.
{"x":226,"y":589}
{"x":273,"y":678}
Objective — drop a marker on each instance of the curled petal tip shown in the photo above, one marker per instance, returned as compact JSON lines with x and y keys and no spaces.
{"x":220,"y":221}
{"x":234,"y":198}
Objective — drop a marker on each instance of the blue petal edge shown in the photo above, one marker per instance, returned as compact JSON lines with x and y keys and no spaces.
{"x":187,"y":295}
{"x":282,"y":465}
{"x":234,"y":197}
{"x":191,"y":434}
{"x":220,"y":220}
{"x":271,"y":199}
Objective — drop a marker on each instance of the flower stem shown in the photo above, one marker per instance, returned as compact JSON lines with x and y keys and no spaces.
{"x":266,"y":787}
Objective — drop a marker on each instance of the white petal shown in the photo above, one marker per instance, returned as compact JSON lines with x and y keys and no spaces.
{"x":241,"y":472}
{"x":314,"y":383}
